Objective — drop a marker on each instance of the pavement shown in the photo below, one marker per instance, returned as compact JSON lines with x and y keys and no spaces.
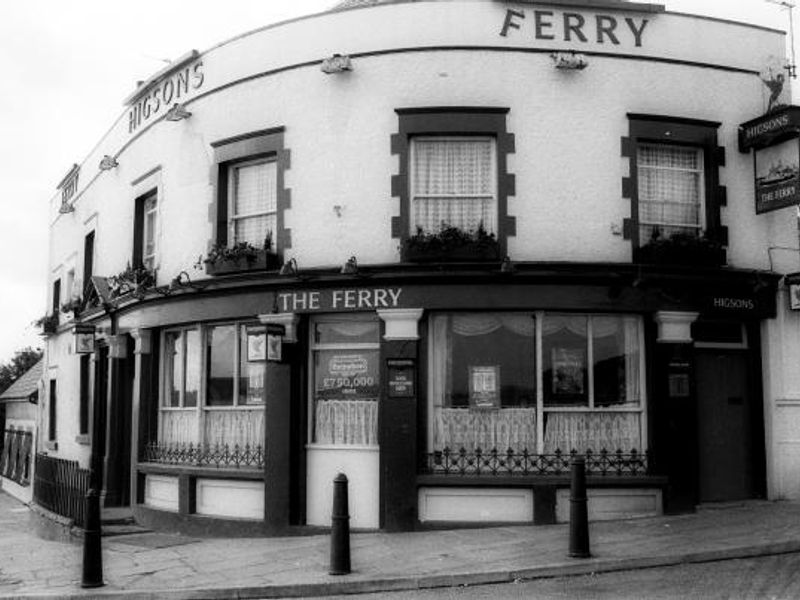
{"x":40,"y":559}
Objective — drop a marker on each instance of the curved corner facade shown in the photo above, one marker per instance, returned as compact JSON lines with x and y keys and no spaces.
{"x":439,"y":247}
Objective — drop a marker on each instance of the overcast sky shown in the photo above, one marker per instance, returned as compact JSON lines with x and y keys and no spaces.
{"x":65,"y":68}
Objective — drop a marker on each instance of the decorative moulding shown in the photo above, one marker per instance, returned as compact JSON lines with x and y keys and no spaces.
{"x":675,"y":327}
{"x":401,"y":323}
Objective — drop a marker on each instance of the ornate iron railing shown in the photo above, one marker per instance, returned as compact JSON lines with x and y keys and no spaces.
{"x":216,"y":455}
{"x":495,"y":463}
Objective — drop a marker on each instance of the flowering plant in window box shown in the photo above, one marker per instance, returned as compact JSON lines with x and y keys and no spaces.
{"x":75,"y":305}
{"x":48,"y":324}
{"x":681,"y":249}
{"x":451,"y":244}
{"x":240,"y":258}
{"x":133,"y":280}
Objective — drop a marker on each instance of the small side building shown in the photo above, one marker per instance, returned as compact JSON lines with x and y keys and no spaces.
{"x":19,"y":433}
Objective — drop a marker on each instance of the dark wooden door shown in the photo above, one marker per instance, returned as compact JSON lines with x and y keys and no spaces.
{"x":725,"y":409}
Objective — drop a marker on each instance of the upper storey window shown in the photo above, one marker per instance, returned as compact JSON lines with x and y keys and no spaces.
{"x":453,"y":183}
{"x":250,"y":202}
{"x":149,"y":233}
{"x":145,"y":230}
{"x":674,"y":191}
{"x":253,"y":205}
{"x":671,"y":191}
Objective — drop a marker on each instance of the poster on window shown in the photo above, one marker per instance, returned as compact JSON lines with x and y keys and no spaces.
{"x":341,"y":374}
{"x":255,"y":385}
{"x":777,"y":176}
{"x":569,"y":366}
{"x":256,"y":345}
{"x":484,"y":387}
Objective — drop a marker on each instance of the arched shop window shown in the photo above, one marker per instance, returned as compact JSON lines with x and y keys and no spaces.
{"x":212,"y":395}
{"x":536,"y":383}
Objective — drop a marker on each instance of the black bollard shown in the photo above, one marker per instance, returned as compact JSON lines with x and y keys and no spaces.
{"x":92,"y":549}
{"x":340,"y":528}
{"x":578,"y":511}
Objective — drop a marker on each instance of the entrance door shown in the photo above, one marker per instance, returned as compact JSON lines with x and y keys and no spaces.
{"x":726,"y":409}
{"x":343,"y":425}
{"x":118,"y":447}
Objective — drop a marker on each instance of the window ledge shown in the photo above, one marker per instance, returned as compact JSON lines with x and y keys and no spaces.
{"x":210,"y":472}
{"x":51,"y":445}
{"x":83,"y":439}
{"x":263,"y":261}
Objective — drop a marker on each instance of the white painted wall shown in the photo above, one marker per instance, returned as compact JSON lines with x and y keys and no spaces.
{"x":361,"y":466}
{"x":567,"y":128}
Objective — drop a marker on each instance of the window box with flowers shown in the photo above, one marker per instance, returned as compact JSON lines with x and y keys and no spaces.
{"x":242,"y":257}
{"x":47,"y":323}
{"x":451,"y":244}
{"x":133,"y":280}
{"x":681,"y":249}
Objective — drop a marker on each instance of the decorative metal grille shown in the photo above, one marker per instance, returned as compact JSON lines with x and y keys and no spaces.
{"x":216,"y":455}
{"x":494,"y":462}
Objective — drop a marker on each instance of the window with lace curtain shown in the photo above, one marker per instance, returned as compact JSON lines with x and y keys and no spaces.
{"x":562,"y":382}
{"x":250,"y":197}
{"x":252,"y":202}
{"x":671,"y":191}
{"x":213,"y":389}
{"x":346,"y":382}
{"x":453,"y":173}
{"x":453,"y":183}
{"x":674,"y":190}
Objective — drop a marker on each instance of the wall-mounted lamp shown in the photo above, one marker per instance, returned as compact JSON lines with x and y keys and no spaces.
{"x":289,"y":268}
{"x":108,"y":162}
{"x":569,"y":61}
{"x":65,"y":208}
{"x":177,"y":113}
{"x":338,"y":63}
{"x":181,"y":280}
{"x":507,"y":266}
{"x":350,"y":267}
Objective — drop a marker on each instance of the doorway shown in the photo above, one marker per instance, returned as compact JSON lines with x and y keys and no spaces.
{"x":728,"y":414}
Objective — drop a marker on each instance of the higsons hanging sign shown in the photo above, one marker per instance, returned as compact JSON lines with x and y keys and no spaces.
{"x":775,"y":141}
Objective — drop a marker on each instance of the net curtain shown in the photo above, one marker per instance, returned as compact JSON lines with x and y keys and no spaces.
{"x":515,"y":428}
{"x":453,"y":183}
{"x":456,"y":428}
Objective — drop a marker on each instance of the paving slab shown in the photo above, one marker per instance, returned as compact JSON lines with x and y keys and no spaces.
{"x":162,"y":565}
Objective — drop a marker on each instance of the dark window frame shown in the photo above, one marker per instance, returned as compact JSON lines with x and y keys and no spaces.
{"x":137,"y":260}
{"x":84,"y":394}
{"x":454,"y":121}
{"x":659,"y":129}
{"x":56,"y":306}
{"x":52,"y":412}
{"x":267,"y":143}
{"x":88,"y":262}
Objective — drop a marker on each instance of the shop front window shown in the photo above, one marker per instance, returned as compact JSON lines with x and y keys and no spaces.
{"x":345,"y":355}
{"x":525,"y":385}
{"x":484,"y":381}
{"x":212,"y":396}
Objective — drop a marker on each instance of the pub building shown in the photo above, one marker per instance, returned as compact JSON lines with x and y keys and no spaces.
{"x":441,"y":256}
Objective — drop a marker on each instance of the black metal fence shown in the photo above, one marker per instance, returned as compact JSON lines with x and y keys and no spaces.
{"x":60,"y":486}
{"x":216,"y":455}
{"x":494,"y":462}
{"x":15,"y":459}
